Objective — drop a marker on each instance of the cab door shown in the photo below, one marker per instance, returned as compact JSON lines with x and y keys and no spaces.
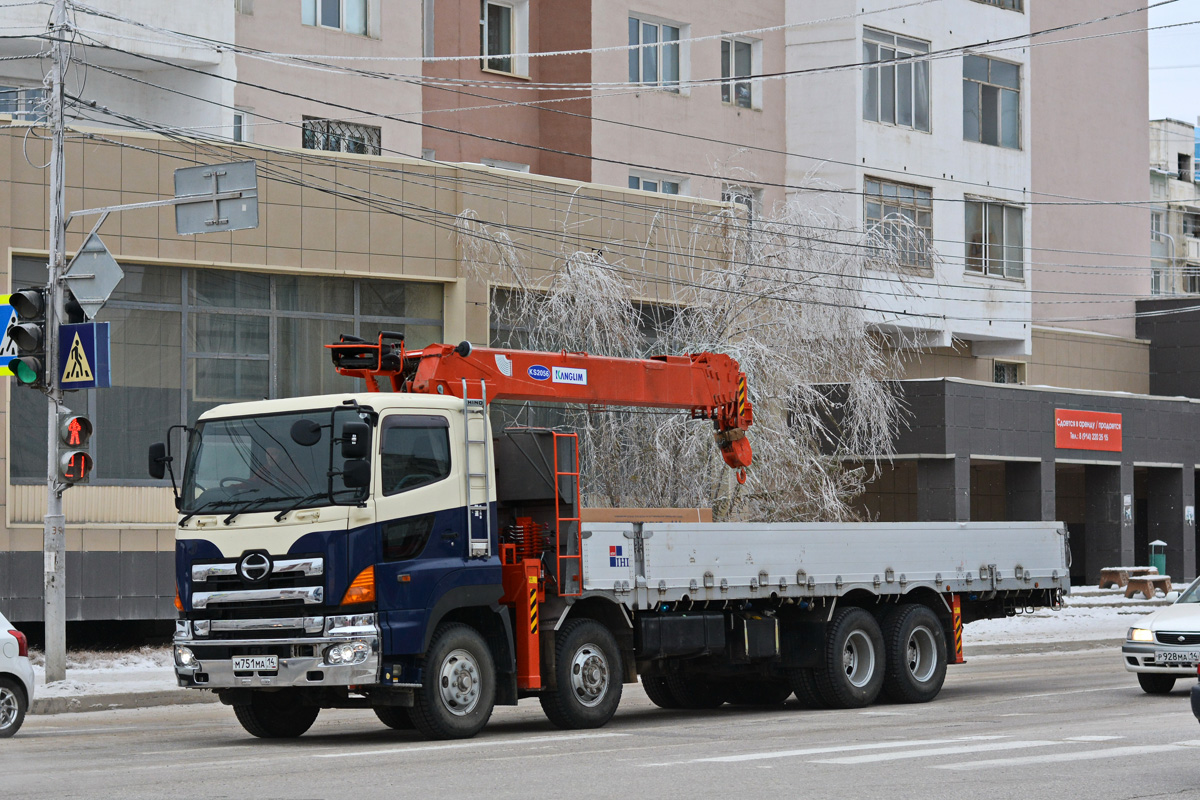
{"x":421,"y":521}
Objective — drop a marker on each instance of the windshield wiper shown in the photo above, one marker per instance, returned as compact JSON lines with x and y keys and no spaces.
{"x":315,"y":496}
{"x":245,"y":506}
{"x":199,"y":509}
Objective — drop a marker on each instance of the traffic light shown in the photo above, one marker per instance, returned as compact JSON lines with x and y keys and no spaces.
{"x":29,"y":335}
{"x":74,"y":460}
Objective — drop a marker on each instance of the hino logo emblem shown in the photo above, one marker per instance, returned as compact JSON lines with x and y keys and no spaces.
{"x":254,"y":567}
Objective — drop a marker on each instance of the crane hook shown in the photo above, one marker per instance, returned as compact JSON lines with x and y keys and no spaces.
{"x":741,"y":475}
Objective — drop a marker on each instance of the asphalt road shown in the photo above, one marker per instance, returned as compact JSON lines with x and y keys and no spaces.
{"x":1065,"y":725}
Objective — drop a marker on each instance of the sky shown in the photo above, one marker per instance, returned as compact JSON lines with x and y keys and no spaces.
{"x":1175,"y":62}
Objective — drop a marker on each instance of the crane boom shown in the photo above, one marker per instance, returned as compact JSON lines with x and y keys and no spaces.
{"x":706,"y":385}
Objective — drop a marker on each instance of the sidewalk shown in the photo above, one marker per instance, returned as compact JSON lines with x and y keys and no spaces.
{"x":1092,"y":619}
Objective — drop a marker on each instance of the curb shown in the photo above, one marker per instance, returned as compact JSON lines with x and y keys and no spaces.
{"x":112,"y":702}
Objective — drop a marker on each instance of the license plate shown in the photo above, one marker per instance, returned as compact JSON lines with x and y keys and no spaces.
{"x":1188,"y":657}
{"x":255,"y":663}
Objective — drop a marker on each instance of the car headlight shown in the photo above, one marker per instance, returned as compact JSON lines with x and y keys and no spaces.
{"x":184,"y":657}
{"x":347,"y":653}
{"x":1140,"y":635}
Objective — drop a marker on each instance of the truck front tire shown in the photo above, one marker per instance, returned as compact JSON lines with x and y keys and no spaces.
{"x":458,"y":692}
{"x":276,"y":715}
{"x":588,"y":669}
{"x":852,"y":673}
{"x":915,"y":651}
{"x":656,"y":689}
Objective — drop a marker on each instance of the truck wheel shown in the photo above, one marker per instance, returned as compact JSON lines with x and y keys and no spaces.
{"x":275,"y":715}
{"x":588,"y":673}
{"x":1155,"y":684}
{"x":915,"y":653}
{"x":657,"y":691}
{"x":12,"y":707}
{"x":459,"y":690}
{"x":759,"y":692}
{"x":695,"y":692}
{"x":803,"y":681}
{"x":395,"y":717}
{"x":852,"y":673}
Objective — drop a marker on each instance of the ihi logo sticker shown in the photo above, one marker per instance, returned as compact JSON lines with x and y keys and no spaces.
{"x":615,"y":557}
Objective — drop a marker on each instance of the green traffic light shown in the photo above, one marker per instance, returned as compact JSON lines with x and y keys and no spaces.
{"x":25,"y":371}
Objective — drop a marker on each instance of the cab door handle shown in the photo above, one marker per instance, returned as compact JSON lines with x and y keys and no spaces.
{"x":449,"y":536}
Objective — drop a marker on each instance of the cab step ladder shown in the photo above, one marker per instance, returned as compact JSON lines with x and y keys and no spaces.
{"x":568,"y":568}
{"x":479,"y":490}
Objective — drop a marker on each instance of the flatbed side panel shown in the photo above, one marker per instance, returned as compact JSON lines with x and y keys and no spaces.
{"x":732,"y":561}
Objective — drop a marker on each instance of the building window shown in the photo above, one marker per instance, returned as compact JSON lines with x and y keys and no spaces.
{"x":185,"y":340}
{"x":1156,"y":222}
{"x":895,"y":94}
{"x":1191,"y":224}
{"x":991,"y":101}
{"x":503,"y":34}
{"x":1011,"y":5}
{"x":903,"y":216}
{"x":650,"y":183}
{"x":1158,"y":276}
{"x":656,"y":64}
{"x":345,"y":15}
{"x":1183,"y":169}
{"x":1008,"y":372}
{"x":340,"y":137}
{"x":1191,"y":278}
{"x":24,"y":104}
{"x":749,"y":199}
{"x":738,"y":60}
{"x":995,"y":239}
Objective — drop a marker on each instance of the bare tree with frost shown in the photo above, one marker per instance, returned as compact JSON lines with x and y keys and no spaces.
{"x":784,"y":296}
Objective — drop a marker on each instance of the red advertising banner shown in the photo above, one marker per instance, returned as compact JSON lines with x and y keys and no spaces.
{"x":1087,"y":430}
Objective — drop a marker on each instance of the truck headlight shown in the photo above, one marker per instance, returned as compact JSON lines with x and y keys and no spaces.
{"x":1140,"y":635}
{"x":184,"y":657}
{"x":347,"y":653}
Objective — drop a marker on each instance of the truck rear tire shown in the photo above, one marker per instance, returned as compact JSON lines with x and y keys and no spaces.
{"x":458,"y":693}
{"x":761,"y":692}
{"x":588,"y":669}
{"x":694,"y":692}
{"x":395,"y":717}
{"x":915,"y":652}
{"x":1153,"y":683}
{"x":803,"y":681}
{"x":656,"y":689}
{"x":852,"y":673}
{"x":275,"y":715}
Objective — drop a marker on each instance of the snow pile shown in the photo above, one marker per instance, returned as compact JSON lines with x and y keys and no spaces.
{"x":96,"y":672}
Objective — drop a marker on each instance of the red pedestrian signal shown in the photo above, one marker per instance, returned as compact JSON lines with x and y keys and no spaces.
{"x":74,"y":466}
{"x":75,"y":435}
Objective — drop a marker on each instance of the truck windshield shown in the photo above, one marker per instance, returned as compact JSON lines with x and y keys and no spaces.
{"x":252,"y":464}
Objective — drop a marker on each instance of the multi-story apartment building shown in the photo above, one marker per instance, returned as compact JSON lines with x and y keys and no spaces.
{"x":1175,"y":218}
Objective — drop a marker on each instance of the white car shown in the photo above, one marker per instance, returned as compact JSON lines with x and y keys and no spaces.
{"x":1164,"y":646}
{"x":16,"y":678}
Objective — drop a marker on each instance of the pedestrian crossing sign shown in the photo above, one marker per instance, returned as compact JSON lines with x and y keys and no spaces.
{"x":8,"y":348}
{"x":83,"y":356}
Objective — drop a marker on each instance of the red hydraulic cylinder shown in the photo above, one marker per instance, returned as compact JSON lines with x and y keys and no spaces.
{"x":521,"y":593}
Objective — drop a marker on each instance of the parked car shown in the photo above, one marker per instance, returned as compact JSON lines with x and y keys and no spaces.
{"x":16,"y":678}
{"x":1165,"y":646}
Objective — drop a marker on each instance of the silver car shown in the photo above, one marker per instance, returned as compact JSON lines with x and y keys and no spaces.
{"x":1164,"y":646}
{"x":16,"y":678}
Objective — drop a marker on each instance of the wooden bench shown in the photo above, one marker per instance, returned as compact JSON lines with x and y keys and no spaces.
{"x":1117,"y":577}
{"x":1147,"y":585}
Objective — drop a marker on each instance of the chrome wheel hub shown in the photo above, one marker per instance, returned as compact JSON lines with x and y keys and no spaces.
{"x":589,"y":675}
{"x":458,"y":680}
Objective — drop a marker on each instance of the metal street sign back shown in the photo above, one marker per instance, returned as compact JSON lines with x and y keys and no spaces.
{"x":213,"y":209}
{"x":93,"y":274}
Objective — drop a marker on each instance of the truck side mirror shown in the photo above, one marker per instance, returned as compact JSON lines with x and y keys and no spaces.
{"x":158,"y":460}
{"x":356,"y":440}
{"x":356,"y":473}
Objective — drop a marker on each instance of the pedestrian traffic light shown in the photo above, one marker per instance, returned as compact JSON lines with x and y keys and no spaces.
{"x":75,"y":435}
{"x":29,"y":335}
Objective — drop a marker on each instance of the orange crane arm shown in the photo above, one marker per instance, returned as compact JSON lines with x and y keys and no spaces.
{"x":706,"y":385}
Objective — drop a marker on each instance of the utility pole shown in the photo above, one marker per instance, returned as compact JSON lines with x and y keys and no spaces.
{"x":54,"y":523}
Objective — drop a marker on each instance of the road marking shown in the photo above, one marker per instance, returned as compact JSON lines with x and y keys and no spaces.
{"x":519,"y":741}
{"x":1092,"y":738}
{"x":885,"y":713}
{"x":1080,"y":691}
{"x":936,"y":751}
{"x":1052,"y":758}
{"x":816,"y":751}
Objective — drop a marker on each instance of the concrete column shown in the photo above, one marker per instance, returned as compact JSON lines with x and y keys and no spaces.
{"x":1168,"y":491}
{"x":944,"y":489}
{"x":1029,"y":489}
{"x":1109,"y":531}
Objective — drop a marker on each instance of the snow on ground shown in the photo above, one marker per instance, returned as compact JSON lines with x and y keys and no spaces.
{"x":1089,"y":614}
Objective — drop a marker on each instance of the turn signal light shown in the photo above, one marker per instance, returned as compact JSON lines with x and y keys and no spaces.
{"x":178,"y":602}
{"x":362,"y":588}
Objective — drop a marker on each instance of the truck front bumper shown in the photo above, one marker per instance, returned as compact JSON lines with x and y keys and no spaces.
{"x":208,"y":661}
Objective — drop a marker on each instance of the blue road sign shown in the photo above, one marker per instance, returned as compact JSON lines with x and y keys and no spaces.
{"x":83,"y":356}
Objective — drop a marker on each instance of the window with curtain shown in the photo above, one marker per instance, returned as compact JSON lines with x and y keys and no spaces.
{"x":995,"y":239}
{"x":657,"y":63}
{"x":737,"y":65}
{"x":991,"y":102}
{"x":897,"y":91}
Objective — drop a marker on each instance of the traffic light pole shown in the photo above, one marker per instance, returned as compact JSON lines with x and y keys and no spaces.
{"x":54,"y":523}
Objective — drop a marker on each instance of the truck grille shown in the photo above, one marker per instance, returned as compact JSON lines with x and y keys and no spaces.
{"x":271,"y":584}
{"x":1177,"y":637}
